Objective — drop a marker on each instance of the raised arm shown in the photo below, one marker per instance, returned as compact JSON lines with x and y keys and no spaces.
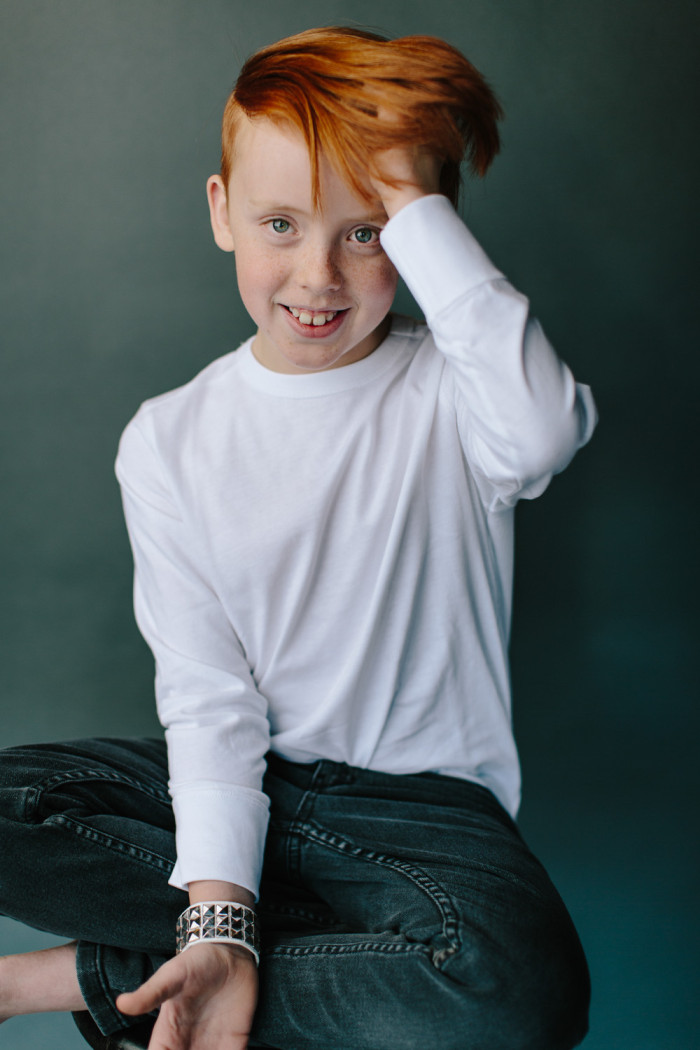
{"x":520,"y":412}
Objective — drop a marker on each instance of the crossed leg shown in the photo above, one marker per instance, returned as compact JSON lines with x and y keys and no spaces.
{"x":396,"y":911}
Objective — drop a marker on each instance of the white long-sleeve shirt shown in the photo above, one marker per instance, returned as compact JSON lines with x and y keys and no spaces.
{"x":323,"y":562}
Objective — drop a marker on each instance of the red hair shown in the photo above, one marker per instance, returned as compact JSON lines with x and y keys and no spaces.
{"x":352,"y":94}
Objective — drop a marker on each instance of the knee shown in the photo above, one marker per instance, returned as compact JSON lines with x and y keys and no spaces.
{"x":534,"y":998}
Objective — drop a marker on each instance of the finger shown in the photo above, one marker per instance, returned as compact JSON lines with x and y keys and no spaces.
{"x":156,"y":990}
{"x":168,"y":1036}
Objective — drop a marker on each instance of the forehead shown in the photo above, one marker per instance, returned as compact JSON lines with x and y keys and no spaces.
{"x":271,"y":164}
{"x":263,"y":148}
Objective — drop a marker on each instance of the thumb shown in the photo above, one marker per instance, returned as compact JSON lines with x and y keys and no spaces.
{"x":163,"y":985}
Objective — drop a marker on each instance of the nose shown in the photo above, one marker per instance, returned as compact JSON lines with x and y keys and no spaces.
{"x":319,"y":270}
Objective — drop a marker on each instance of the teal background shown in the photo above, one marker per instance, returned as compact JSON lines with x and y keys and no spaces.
{"x":112,"y":291}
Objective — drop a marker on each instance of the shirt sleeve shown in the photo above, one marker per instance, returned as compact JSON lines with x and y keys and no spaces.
{"x":215,"y":720}
{"x":521,"y":414}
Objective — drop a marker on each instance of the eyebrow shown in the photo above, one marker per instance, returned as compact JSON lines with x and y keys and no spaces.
{"x":274,"y":206}
{"x":375,"y":218}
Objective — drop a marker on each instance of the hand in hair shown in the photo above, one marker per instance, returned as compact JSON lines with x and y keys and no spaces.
{"x":353,"y":94}
{"x":403,"y":175}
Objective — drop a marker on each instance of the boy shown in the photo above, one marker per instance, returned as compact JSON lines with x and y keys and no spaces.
{"x":322,"y":533}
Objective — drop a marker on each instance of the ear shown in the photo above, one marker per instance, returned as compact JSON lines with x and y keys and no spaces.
{"x":218,"y":213}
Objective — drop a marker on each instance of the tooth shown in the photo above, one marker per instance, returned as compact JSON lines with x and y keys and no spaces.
{"x":319,"y":319}
{"x":305,"y":318}
{"x":293,"y":310}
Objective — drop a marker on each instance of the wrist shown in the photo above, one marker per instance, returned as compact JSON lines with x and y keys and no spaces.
{"x":394,"y":202}
{"x":218,"y":922}
{"x":217,"y":890}
{"x":400,"y":176}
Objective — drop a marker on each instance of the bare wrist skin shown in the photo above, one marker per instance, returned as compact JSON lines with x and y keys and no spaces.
{"x":395,"y":200}
{"x":403,"y":176}
{"x":212,"y":890}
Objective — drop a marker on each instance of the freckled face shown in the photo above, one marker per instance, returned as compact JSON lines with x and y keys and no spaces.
{"x":317,"y":283}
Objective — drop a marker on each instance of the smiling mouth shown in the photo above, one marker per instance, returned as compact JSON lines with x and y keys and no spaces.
{"x":316,"y":319}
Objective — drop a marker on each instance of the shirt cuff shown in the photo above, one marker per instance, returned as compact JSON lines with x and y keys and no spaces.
{"x":437,"y":256}
{"x":220,"y":836}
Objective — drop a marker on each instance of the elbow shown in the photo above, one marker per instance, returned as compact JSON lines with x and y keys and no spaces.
{"x":552,"y":443}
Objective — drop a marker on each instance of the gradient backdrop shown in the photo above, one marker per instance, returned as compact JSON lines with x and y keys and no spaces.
{"x":112,"y":291}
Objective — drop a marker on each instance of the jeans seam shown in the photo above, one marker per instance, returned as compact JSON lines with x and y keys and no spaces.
{"x":305,"y":805}
{"x":74,"y":776}
{"x":420,"y":878}
{"x":370,"y":947}
{"x":112,"y":842}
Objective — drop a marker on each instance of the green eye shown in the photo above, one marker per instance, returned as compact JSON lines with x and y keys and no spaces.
{"x":364,"y":235}
{"x":280,"y":225}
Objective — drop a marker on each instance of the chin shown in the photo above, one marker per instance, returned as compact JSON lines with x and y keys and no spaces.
{"x":313,"y":358}
{"x":312,"y":363}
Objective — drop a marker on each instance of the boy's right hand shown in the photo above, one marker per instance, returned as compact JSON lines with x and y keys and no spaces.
{"x":207,"y":997}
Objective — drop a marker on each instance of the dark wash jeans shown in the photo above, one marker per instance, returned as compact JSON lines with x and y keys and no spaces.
{"x":397,"y":912}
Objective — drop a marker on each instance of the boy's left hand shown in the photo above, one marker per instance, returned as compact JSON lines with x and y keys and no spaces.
{"x":207,"y":997}
{"x":416,"y":173}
